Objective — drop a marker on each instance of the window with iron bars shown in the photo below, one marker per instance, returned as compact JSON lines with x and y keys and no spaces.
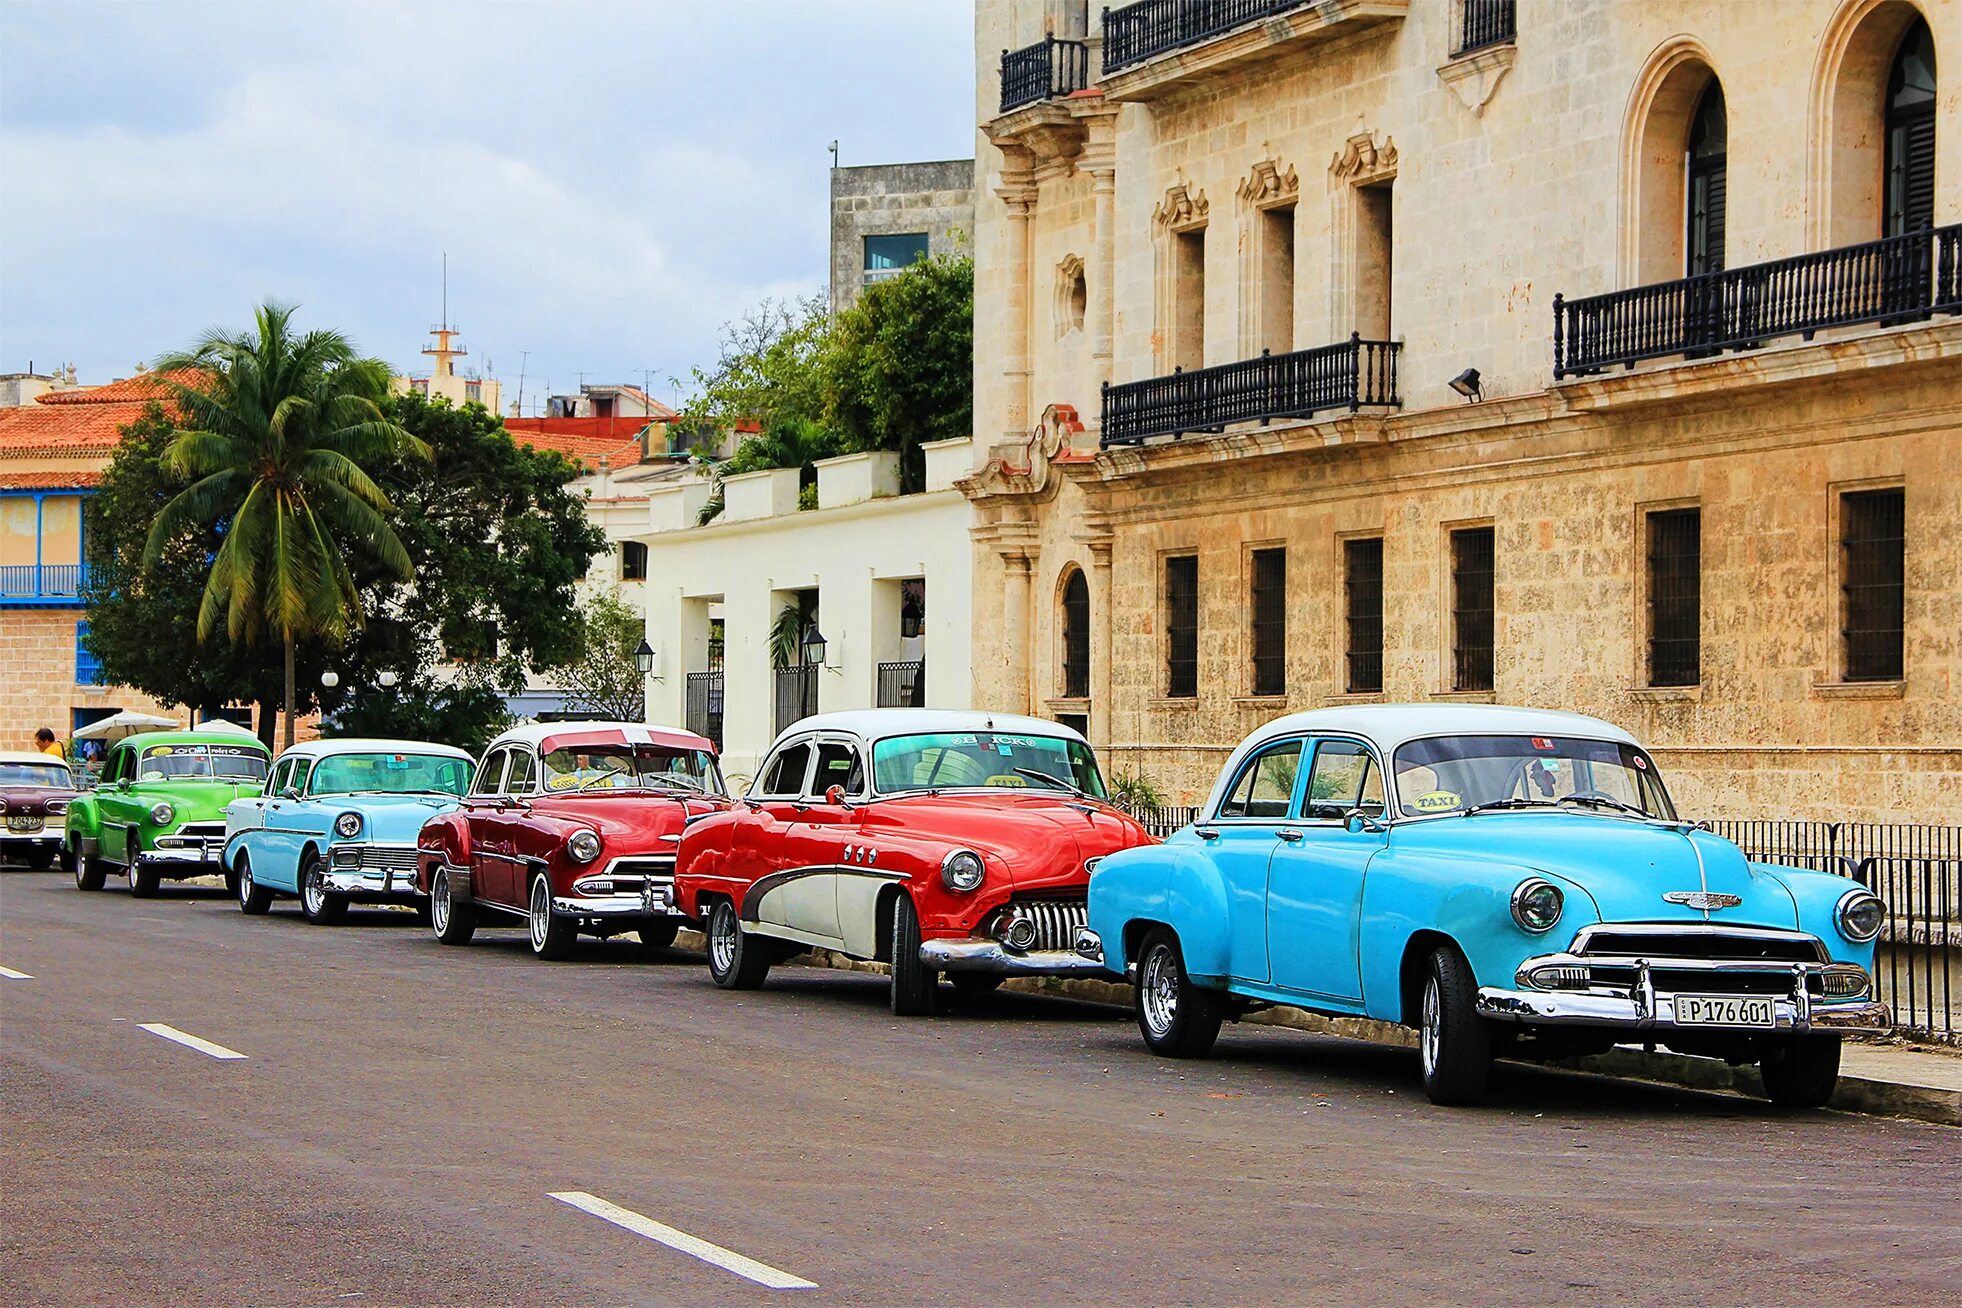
{"x":1675,"y":597}
{"x":1076,"y":637}
{"x":715,"y":644}
{"x":1268,"y":596}
{"x":1182,"y":626}
{"x":1873,"y":582}
{"x":1471,"y":609}
{"x":1362,"y":583}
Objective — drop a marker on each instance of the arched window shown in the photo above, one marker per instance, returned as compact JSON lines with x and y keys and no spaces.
{"x":1076,"y":636}
{"x":1910,"y":165}
{"x":1709,"y":130}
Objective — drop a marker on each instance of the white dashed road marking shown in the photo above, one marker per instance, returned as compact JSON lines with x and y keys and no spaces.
{"x":12,"y":975}
{"x":188,"y":1040}
{"x":680,"y":1241}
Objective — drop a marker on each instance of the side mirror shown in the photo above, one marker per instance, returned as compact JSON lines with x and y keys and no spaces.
{"x":123,"y":784}
{"x":1358,"y":822}
{"x":835,"y":796}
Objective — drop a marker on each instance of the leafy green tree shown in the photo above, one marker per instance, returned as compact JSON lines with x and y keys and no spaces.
{"x":770,"y":368}
{"x":786,"y":443}
{"x":278,"y":428}
{"x":601,"y":677}
{"x":899,"y":364}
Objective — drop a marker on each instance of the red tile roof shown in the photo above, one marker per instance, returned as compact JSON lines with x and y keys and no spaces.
{"x":138,"y":389}
{"x":49,"y":480}
{"x":83,"y":420}
{"x":583,"y":440}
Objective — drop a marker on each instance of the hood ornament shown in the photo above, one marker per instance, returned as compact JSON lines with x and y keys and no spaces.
{"x":1702,"y":899}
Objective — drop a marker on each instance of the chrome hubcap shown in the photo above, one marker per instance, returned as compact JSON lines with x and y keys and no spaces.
{"x":1428,"y":1035}
{"x":541,"y":913}
{"x":439,"y":903}
{"x":1158,"y":988}
{"x":315,"y":898}
{"x":244,"y":882}
{"x":722,"y":940}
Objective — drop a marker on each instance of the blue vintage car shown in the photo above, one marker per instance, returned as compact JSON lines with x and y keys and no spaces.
{"x":337,"y":824}
{"x":1510,"y":882}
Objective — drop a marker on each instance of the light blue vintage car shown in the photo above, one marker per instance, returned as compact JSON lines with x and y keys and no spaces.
{"x":1510,"y":882}
{"x":337,"y":824}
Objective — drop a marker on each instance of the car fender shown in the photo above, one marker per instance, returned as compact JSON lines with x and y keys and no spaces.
{"x":1469,"y":902}
{"x":1175,"y":884}
{"x":84,"y":819}
{"x":1816,"y":895}
{"x":701,"y":860}
{"x":447,"y":836}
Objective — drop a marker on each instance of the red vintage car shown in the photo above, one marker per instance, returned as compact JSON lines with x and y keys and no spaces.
{"x":567,"y":826}
{"x":934,"y":841}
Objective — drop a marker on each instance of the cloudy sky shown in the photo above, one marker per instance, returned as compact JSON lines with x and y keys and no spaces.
{"x":612,"y":179}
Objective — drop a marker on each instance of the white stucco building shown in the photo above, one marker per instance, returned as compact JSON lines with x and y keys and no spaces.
{"x":884,"y":578}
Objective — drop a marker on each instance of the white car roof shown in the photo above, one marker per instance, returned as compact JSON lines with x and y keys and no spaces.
{"x":531,"y":733}
{"x":877,"y":724}
{"x":30,"y":756}
{"x":353,"y":745}
{"x":1389,"y":725}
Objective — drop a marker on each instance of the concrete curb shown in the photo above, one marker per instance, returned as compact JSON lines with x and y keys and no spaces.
{"x":1854,"y":1095}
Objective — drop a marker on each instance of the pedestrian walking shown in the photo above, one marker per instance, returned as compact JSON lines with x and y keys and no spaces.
{"x":45,"y":742}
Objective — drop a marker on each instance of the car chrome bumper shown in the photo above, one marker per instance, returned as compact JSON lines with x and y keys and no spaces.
{"x":51,"y":836}
{"x":629,"y":905}
{"x":1639,"y":1012}
{"x":356,"y":881}
{"x":194,"y":851}
{"x":977,"y":954}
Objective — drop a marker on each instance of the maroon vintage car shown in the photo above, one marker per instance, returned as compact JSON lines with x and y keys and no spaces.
{"x":567,"y":826}
{"x":35,"y":791}
{"x":938,"y":841}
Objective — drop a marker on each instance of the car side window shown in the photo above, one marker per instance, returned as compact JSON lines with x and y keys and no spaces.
{"x":489,"y":773}
{"x":838,"y":765}
{"x":523,"y":767}
{"x":277,"y":777}
{"x":1265,"y":786}
{"x":302,"y":772}
{"x":784,"y":778}
{"x":1345,"y":778}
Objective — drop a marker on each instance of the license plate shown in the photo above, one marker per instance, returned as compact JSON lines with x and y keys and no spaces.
{"x":1724,"y":1010}
{"x":24,"y":823}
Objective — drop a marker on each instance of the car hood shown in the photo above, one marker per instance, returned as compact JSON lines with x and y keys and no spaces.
{"x":200,"y":796}
{"x":1037,"y":837}
{"x":390,"y":818}
{"x":630,"y":816}
{"x":1624,"y":866}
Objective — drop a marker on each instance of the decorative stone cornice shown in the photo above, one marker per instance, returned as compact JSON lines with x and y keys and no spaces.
{"x":1267,"y":185}
{"x":1028,"y":470}
{"x":1361,"y":159}
{"x":1182,"y":208}
{"x":1475,"y":76}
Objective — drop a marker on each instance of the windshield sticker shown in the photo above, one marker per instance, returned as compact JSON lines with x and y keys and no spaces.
{"x":1641,"y":763}
{"x":1001,"y":780}
{"x":1541,"y":742}
{"x":1438,"y":801}
{"x":160,"y":751}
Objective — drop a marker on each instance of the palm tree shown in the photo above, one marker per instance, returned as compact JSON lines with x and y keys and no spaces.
{"x":275,"y":429}
{"x":785,"y":443}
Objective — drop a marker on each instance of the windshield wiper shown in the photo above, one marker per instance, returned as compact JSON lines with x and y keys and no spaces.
{"x":1054,"y":781}
{"x":670,"y":781}
{"x":1495,"y":804}
{"x":1609,"y":801}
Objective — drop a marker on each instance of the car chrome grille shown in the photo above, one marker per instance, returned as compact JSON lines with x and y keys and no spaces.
{"x":192,"y":835}
{"x":631,"y":875}
{"x":383,"y":858}
{"x":1056,"y":921}
{"x":1705,"y":982}
{"x":1659,"y":943}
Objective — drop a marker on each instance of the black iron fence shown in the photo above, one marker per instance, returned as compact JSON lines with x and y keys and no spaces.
{"x":1298,"y":384}
{"x":1049,"y":68}
{"x":1162,"y":822}
{"x":797,"y":694}
{"x":1917,"y":870}
{"x":1899,"y":279}
{"x":704,"y":705}
{"x":1134,"y":33}
{"x":1486,"y":22}
{"x":903,"y":684}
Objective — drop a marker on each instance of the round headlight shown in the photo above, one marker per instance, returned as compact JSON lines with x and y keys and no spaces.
{"x":583,"y":846}
{"x":962,"y":870}
{"x":1860,"y":915}
{"x":347,"y":826}
{"x":162,"y":813}
{"x":1536,"y":905}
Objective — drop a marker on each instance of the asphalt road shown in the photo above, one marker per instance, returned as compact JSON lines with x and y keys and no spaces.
{"x":404,"y":1113}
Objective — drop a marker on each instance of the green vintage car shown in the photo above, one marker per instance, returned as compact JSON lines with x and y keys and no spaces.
{"x":159,"y":810}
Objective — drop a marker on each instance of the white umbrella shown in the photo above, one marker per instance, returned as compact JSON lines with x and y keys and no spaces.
{"x":226,"y":724}
{"x":126,"y":723}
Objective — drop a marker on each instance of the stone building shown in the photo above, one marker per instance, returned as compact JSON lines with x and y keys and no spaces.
{"x":1592,"y":354}
{"x":885,"y":216}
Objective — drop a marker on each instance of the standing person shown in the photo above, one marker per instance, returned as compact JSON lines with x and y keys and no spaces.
{"x":44,"y":741}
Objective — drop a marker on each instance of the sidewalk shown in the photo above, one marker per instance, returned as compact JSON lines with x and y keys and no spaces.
{"x":1884,"y":1079}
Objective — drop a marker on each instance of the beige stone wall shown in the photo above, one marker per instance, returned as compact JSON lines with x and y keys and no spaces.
{"x":37,"y":678}
{"x":1497,"y":206}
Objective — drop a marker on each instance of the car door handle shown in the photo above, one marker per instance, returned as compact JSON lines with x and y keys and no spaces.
{"x":1289,"y":834}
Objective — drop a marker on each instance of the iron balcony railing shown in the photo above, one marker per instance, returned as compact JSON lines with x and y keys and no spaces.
{"x":42,"y":580}
{"x":903,"y":684}
{"x":1917,"y":871}
{"x":1051,"y":67}
{"x":705,"y":705}
{"x":1486,"y":22}
{"x":1898,"y":279}
{"x":797,"y":694}
{"x":1348,"y":375}
{"x":1134,"y":33}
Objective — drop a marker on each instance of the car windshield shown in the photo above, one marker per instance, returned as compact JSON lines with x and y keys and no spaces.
{"x":222,"y":762}
{"x":631,"y":767}
{"x":390,"y":774}
{"x":1453,"y":774}
{"x":947,"y":759}
{"x":36,"y":774}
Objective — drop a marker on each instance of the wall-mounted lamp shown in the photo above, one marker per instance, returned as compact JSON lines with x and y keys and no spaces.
{"x":813,"y":646}
{"x":647,"y":660}
{"x":1466,"y":384}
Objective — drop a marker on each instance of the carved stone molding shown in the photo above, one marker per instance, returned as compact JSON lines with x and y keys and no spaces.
{"x":1267,"y":185}
{"x":1474,"y":77}
{"x":1182,"y":208}
{"x":1362,"y":160}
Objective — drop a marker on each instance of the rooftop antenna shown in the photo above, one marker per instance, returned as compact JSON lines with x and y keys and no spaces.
{"x":834,"y":154}
{"x":524,"y":357}
{"x":446,"y":288}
